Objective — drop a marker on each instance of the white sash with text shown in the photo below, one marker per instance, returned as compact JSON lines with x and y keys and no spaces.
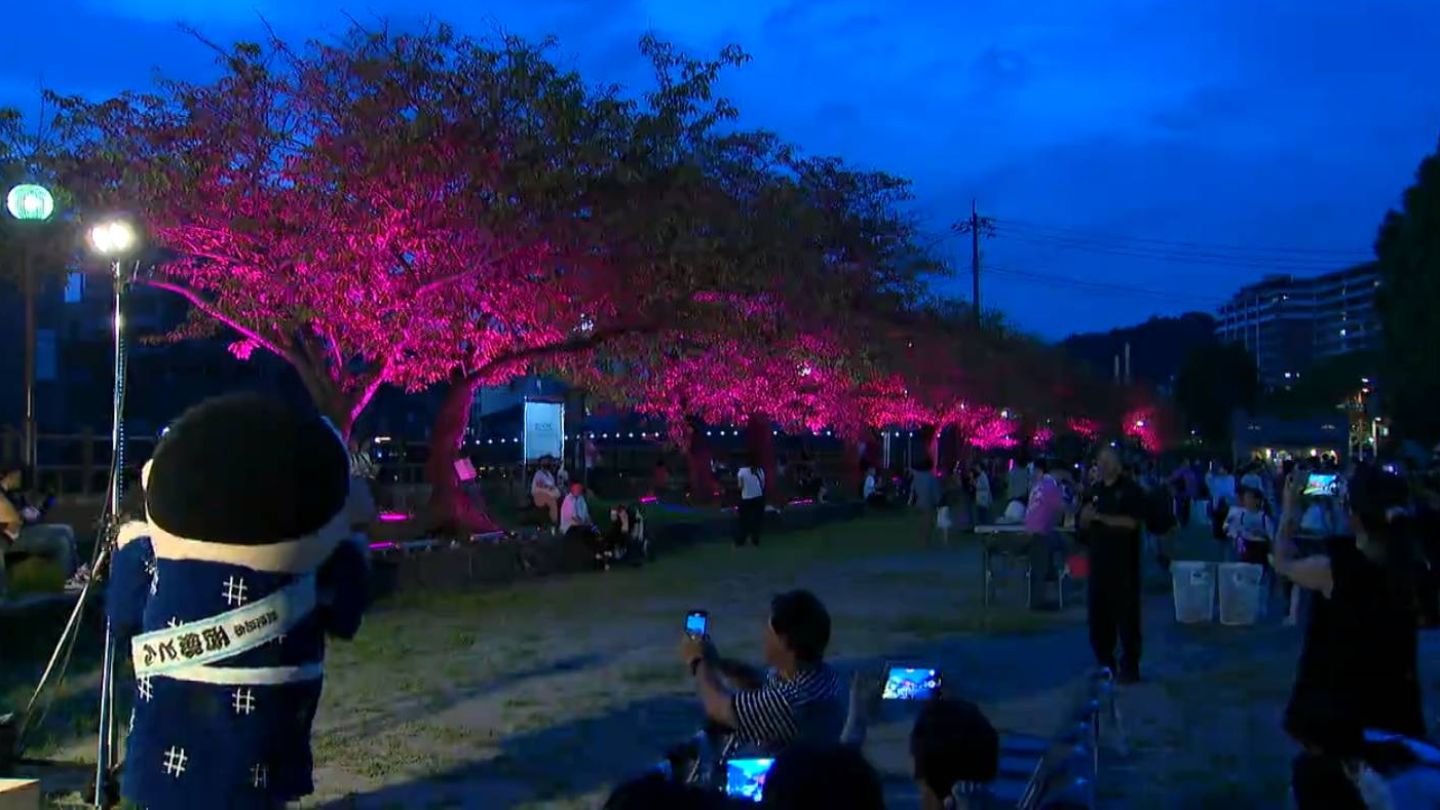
{"x":171,"y":650}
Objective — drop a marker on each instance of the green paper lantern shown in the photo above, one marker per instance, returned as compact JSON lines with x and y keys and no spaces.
{"x":30,"y":202}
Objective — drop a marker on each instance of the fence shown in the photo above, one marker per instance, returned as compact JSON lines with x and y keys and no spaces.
{"x":79,"y":463}
{"x":74,"y":463}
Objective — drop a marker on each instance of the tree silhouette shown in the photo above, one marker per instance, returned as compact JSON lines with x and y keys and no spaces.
{"x":1408,"y":257}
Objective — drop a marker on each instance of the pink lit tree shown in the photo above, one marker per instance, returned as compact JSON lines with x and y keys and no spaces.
{"x":391,"y":208}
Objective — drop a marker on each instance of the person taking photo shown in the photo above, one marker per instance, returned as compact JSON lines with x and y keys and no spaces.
{"x":798,"y":699}
{"x":1359,"y":663}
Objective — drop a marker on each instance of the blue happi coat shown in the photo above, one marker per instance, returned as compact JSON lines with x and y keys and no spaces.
{"x":225,"y":745}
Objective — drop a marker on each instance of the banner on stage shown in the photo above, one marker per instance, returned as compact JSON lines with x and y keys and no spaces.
{"x":544,"y":430}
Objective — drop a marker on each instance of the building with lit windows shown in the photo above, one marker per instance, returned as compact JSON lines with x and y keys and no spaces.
{"x":1288,"y":323}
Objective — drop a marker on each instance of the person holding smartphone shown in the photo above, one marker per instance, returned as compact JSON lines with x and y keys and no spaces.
{"x":799,"y":698}
{"x":1111,"y":521}
{"x":1359,"y":663}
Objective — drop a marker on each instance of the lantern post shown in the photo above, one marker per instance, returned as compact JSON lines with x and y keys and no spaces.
{"x":31,"y":205}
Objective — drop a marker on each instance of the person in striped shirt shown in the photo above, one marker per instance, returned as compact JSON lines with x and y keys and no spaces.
{"x":798,"y":699}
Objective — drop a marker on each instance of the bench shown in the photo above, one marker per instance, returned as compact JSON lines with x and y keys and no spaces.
{"x":1069,"y":764}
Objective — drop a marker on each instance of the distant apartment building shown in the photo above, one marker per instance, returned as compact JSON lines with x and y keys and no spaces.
{"x":1288,"y":323}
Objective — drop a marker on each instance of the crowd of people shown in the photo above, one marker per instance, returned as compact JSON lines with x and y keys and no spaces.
{"x":249,"y":597}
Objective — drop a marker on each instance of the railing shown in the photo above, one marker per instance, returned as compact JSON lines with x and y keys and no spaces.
{"x":74,"y":463}
{"x":78,"y":463}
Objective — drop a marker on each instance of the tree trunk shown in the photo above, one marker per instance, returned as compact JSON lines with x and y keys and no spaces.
{"x":329,"y":400}
{"x":945,"y":455}
{"x":760,"y":445}
{"x":854,"y":465}
{"x":703,"y":488}
{"x":930,"y":440}
{"x":454,"y":507}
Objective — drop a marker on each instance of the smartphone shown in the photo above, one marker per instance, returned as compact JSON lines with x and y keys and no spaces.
{"x":697,"y":623}
{"x":745,"y":778}
{"x":910,"y":683}
{"x":1321,"y":484}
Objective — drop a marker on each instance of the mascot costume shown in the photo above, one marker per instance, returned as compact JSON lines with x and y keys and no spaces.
{"x":246,"y":560}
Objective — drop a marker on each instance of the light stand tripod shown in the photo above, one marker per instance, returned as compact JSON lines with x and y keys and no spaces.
{"x":105,"y":789}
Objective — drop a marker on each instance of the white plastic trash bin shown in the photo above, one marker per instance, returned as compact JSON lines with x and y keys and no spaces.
{"x":1194,"y":586}
{"x":1241,"y":589}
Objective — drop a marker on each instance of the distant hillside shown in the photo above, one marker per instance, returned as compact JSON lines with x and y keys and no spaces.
{"x":1157,"y":346}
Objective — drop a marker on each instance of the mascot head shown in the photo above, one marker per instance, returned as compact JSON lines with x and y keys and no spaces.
{"x":245,"y":480}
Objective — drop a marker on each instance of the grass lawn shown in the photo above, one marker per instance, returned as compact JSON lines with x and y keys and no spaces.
{"x":546,"y":693}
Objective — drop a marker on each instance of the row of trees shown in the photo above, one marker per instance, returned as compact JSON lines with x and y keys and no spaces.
{"x":423,"y":208}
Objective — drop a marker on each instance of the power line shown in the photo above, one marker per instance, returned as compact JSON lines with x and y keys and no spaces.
{"x":1178,"y":257}
{"x":1209,"y":247}
{"x":1107,"y":287}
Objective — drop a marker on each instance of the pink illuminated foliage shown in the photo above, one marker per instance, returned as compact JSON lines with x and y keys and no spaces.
{"x":399,"y":208}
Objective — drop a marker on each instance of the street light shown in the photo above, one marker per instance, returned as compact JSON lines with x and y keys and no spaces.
{"x":116,"y":240}
{"x":113,"y":239}
{"x":30,"y":202}
{"x":31,"y":205}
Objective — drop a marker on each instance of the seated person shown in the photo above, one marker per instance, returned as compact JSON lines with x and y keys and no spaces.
{"x":871,"y":490}
{"x":545,"y":491}
{"x":833,"y":777}
{"x":1250,"y":528}
{"x":575,"y":522}
{"x":799,"y":699}
{"x":626,"y":531}
{"x":954,"y":750}
{"x":955,"y":755}
{"x":22,"y":531}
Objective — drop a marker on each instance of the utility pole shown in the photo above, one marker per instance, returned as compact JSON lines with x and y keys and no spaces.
{"x":976,"y":226}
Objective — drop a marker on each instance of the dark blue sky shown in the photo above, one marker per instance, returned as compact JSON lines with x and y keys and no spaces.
{"x":1083,"y":125}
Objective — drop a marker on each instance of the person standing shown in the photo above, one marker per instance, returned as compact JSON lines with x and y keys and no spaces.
{"x":1112,"y":518}
{"x":1043,"y":514}
{"x":1223,"y":495}
{"x":1359,"y":665}
{"x":984,"y":499}
{"x":925,"y":497}
{"x":1017,"y":485}
{"x":751,"y":478}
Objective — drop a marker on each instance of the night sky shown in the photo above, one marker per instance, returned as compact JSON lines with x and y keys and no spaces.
{"x":1210,"y":129}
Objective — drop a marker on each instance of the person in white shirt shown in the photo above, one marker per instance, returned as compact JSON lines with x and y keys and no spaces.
{"x":871,"y":489}
{"x":751,"y":479}
{"x":1222,"y":496}
{"x":575,"y":511}
{"x":545,"y":491}
{"x":984,"y":499}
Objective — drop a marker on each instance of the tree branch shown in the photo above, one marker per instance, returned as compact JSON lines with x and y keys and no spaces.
{"x":595,"y":338}
{"x":197,"y":301}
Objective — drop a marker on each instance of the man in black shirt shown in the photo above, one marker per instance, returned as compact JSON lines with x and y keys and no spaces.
{"x":1111,"y":519}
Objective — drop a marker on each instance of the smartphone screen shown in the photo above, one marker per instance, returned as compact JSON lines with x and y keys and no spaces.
{"x":1321,"y":484}
{"x":697,"y":623}
{"x":745,"y":778}
{"x":910,"y":683}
